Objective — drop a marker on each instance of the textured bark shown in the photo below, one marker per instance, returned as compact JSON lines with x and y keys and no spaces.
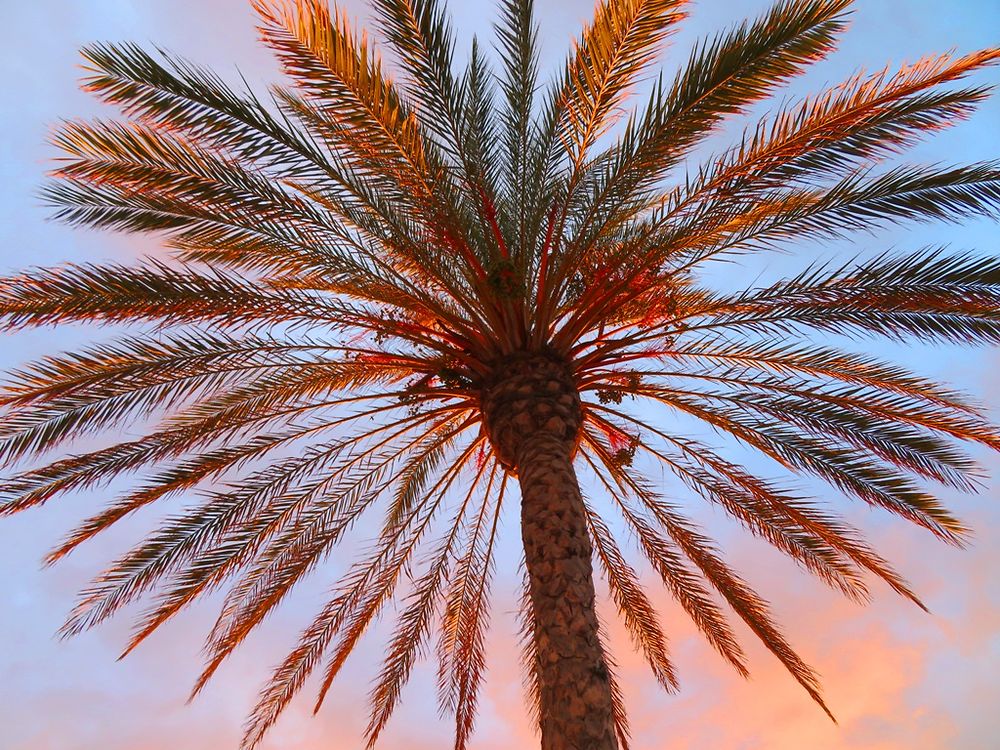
{"x":533,"y":418}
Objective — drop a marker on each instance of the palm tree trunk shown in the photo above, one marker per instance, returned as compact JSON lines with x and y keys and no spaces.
{"x":533,"y":417}
{"x":575,"y":695}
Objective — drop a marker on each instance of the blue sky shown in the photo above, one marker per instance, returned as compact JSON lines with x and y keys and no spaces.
{"x":897,"y":678}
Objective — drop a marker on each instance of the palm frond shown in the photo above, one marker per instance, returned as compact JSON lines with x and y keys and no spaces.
{"x":683,"y":583}
{"x":361,"y":593}
{"x":613,"y":50}
{"x":365,"y":112}
{"x":619,"y":713}
{"x":931,"y":295}
{"x":518,"y":47}
{"x":636,"y":610}
{"x":152,"y":291}
{"x":461,"y":650}
{"x":174,"y":94}
{"x":420,"y":33}
{"x":722,"y":77}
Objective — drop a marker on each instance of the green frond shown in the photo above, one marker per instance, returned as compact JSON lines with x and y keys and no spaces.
{"x":861,"y":202}
{"x":366,"y":116}
{"x":172,"y":379}
{"x":517,"y":35}
{"x":865,"y":118}
{"x":490,"y":226}
{"x":393,"y":553}
{"x":465,"y":619}
{"x":420,"y":33}
{"x":174,"y":94}
{"x":133,"y":177}
{"x":742,"y":500}
{"x":611,"y":54}
{"x":906,"y":433}
{"x":413,"y":625}
{"x":722,"y":77}
{"x":830,"y":529}
{"x":85,"y":471}
{"x":930,"y":295}
{"x":414,"y":476}
{"x":619,"y":713}
{"x":817,"y":538}
{"x":636,"y":610}
{"x":186,"y":536}
{"x":296,"y":522}
{"x":684,"y":584}
{"x":832,"y":135}
{"x":182,"y":476}
{"x":181,"y":539}
{"x":744,"y":601}
{"x":785,"y":358}
{"x":853,"y":471}
{"x":356,"y":594}
{"x":459,"y":113}
{"x":152,"y":291}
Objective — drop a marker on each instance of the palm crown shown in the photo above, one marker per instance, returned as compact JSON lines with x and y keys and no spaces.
{"x":361,"y":270}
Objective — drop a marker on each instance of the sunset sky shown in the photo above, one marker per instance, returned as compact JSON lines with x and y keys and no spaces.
{"x":897,"y":678}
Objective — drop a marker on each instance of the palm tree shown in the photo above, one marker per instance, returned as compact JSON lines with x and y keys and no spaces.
{"x":398,"y":302}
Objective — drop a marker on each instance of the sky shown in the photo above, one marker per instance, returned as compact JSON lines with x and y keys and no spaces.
{"x":896,"y":677}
